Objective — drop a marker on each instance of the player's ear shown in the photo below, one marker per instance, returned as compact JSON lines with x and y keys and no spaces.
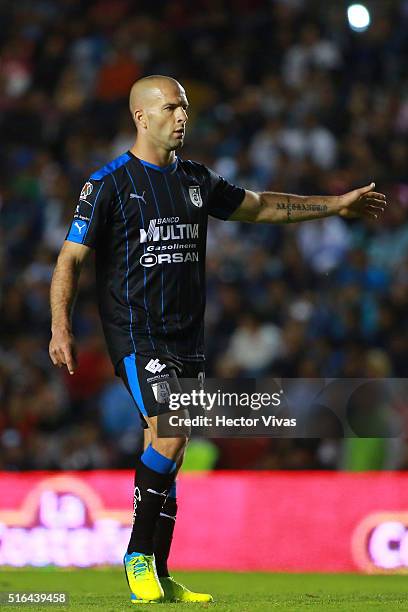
{"x":139,"y":118}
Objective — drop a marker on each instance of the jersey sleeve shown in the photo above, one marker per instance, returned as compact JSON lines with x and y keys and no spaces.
{"x":91,"y":213}
{"x":224,"y":197}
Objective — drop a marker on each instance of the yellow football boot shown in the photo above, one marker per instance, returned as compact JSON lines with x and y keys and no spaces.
{"x":142,"y":578}
{"x":176,"y":592}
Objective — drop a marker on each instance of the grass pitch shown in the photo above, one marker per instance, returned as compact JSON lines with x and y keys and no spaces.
{"x":106,"y":590}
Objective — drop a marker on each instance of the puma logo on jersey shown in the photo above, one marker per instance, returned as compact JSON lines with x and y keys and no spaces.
{"x":135,"y":196}
{"x":80,"y":227}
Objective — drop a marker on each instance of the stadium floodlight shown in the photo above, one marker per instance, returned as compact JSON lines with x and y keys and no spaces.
{"x":358,"y":17}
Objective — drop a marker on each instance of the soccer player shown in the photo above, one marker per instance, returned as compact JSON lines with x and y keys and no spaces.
{"x":145,"y":216}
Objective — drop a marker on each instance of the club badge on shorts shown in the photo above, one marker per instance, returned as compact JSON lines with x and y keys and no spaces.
{"x":161,"y":391}
{"x":195,"y":196}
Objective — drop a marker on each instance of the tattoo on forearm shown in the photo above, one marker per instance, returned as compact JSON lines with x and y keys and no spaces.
{"x":288,"y":208}
{"x":293,"y":207}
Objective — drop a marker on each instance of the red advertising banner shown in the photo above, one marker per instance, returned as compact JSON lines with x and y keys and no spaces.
{"x":275,"y":521}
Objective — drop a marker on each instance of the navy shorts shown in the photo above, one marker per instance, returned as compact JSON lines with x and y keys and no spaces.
{"x":150,"y":379}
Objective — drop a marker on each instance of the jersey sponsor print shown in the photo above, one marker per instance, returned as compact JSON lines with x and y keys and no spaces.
{"x":148,"y":226}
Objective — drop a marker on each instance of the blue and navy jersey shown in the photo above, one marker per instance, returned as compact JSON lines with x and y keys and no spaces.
{"x":148,"y":226}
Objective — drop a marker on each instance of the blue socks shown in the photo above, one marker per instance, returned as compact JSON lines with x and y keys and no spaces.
{"x":153,"y":481}
{"x":163,"y":534}
{"x":173,"y":490}
{"x":157,"y":462}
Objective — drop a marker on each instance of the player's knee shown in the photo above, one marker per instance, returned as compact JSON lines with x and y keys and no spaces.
{"x":170,"y":447}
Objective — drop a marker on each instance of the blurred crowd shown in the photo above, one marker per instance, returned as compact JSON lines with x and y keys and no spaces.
{"x":283,"y":97}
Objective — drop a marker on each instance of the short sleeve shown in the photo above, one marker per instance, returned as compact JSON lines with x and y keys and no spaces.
{"x":91,"y":212}
{"x":224,"y":197}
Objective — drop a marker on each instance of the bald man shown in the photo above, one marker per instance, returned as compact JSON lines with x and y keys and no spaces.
{"x":145,"y":216}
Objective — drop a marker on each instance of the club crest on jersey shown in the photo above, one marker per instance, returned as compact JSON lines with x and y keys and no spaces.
{"x":195,"y":196}
{"x":86,"y":191}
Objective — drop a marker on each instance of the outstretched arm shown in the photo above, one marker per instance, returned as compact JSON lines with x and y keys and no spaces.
{"x":270,"y":207}
{"x":64,"y":288}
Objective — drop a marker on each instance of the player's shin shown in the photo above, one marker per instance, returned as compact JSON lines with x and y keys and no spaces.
{"x":163,"y":534}
{"x":154,"y":477}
